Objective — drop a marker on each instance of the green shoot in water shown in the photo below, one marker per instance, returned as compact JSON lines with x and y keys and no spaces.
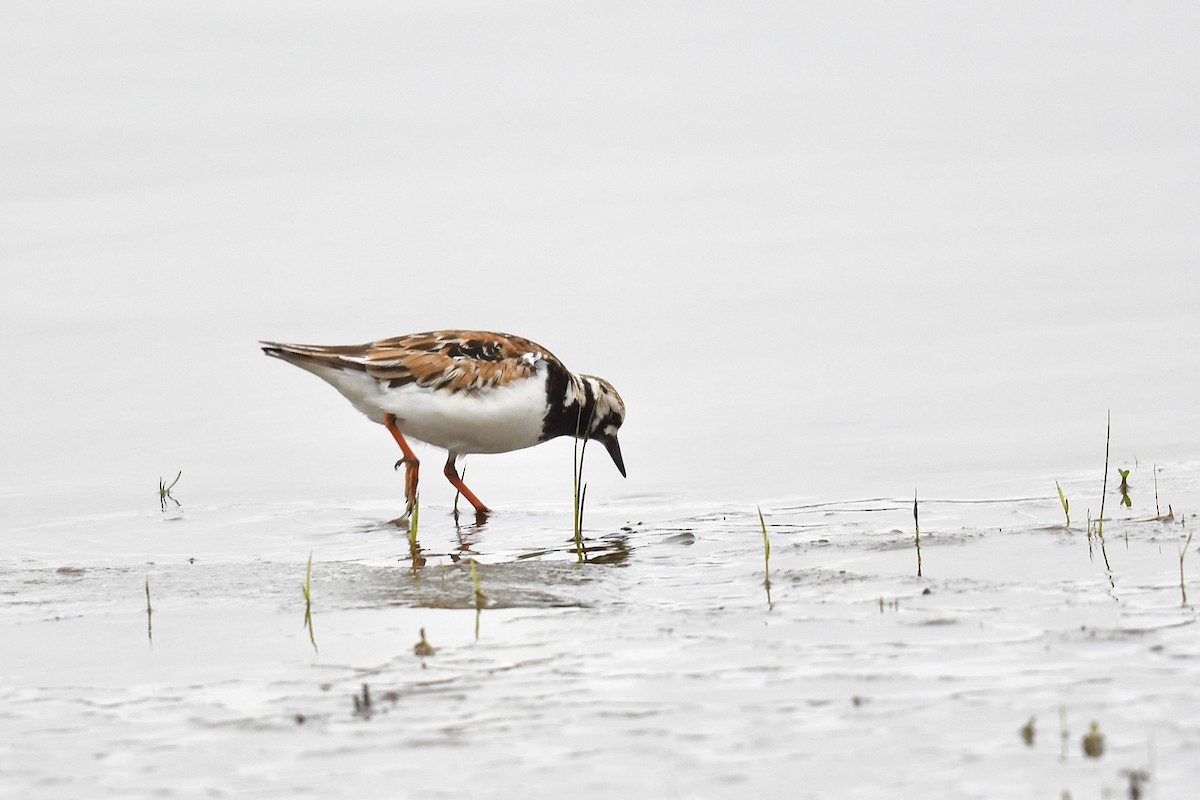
{"x":1103,"y":492}
{"x":1158,"y":515}
{"x":150,"y":611}
{"x":414,"y":548}
{"x":766,"y":558}
{"x":479,"y":596}
{"x":1066,"y":505}
{"x":423,"y":648}
{"x":164,"y":492}
{"x":1028,"y":732}
{"x":917,"y":527}
{"x":1125,"y":500}
{"x":1182,"y":553}
{"x":306,"y":587}
{"x":362,"y":704}
{"x":579,"y":486}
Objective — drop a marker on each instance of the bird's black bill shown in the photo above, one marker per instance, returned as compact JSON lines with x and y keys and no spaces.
{"x":614,"y":450}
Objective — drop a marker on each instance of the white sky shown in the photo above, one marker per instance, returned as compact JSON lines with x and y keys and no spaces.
{"x":820,"y":248}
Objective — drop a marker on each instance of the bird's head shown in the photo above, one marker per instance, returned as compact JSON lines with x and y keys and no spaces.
{"x":607,"y":414}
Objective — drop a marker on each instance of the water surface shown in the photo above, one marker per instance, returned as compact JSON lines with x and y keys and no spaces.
{"x":829,"y":257}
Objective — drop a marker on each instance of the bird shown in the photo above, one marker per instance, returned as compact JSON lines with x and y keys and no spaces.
{"x":466,"y":392}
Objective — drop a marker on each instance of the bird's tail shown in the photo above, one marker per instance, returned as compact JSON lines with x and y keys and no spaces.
{"x":316,"y":357}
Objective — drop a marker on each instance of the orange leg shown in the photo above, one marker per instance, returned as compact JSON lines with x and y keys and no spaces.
{"x":411,"y":464}
{"x":452,"y":476}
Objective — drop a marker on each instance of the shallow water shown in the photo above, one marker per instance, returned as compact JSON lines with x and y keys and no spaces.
{"x":665,"y":670}
{"x":824,"y":253}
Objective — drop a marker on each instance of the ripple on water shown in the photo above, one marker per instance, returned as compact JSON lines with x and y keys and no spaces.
{"x":661,"y":652}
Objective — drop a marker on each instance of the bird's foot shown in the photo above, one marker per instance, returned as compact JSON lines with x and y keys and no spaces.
{"x":411,"y":466}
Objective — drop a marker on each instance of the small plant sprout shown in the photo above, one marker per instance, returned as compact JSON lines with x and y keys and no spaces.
{"x":1136,"y":778}
{"x":1028,"y":732}
{"x":414,"y":548}
{"x":917,"y":527}
{"x":362,"y":703}
{"x":1183,"y":552}
{"x":423,"y":648}
{"x":1125,"y":500}
{"x":149,"y":610}
{"x":479,"y":596}
{"x":1093,"y":742}
{"x":1066,"y":504}
{"x":164,"y":492}
{"x":766,"y":559}
{"x":306,"y":587}
{"x":1158,"y":515}
{"x":1089,"y":534}
{"x":580,"y":494}
{"x":1103,"y":492}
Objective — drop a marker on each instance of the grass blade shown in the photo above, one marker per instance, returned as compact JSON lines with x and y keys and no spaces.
{"x":150,"y":611}
{"x":306,"y":587}
{"x":917,"y":527}
{"x":1066,"y":506}
{"x":766,"y":558}
{"x":479,"y":596}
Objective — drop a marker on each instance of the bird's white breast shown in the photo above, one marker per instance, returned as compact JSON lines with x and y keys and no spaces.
{"x":496,"y":420}
{"x":505,"y":418}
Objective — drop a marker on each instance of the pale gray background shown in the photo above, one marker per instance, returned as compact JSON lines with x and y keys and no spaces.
{"x":826,"y":252}
{"x":823,"y":250}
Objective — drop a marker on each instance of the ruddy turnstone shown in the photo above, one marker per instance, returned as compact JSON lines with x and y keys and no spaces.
{"x":466,"y":392}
